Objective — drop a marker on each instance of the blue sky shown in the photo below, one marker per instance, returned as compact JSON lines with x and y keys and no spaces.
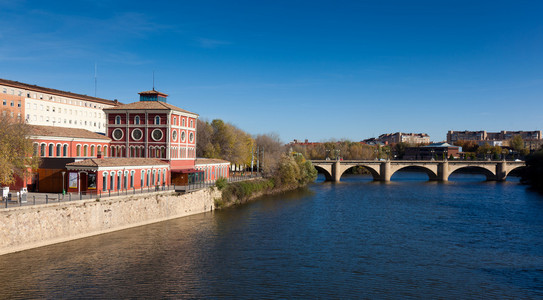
{"x":303,"y":69}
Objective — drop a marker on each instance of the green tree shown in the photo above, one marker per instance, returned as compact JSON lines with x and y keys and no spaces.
{"x":533,"y":172}
{"x":517,"y":143}
{"x":16,"y":150}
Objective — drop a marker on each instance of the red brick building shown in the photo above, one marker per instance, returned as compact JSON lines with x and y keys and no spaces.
{"x":152,"y":128}
{"x":101,"y":175}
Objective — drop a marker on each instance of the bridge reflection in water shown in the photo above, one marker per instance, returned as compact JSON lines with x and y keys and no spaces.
{"x":436,"y":170}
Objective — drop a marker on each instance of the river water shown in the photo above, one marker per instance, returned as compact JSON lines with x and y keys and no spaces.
{"x":356,"y":239}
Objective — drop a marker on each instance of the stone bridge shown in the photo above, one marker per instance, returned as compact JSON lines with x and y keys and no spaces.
{"x":436,"y":170}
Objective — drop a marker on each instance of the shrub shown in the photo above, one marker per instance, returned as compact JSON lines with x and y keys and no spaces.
{"x":221,"y":183}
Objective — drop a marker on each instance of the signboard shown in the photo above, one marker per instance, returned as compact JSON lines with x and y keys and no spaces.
{"x":91,"y":182}
{"x":72,"y":180}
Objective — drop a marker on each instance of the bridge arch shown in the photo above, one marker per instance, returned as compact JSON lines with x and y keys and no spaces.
{"x":373,"y":171}
{"x":489,"y":173}
{"x":432,"y":174}
{"x":327,"y":173}
{"x":513,"y":168}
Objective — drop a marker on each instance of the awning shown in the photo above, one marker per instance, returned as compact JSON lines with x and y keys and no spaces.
{"x":187,"y":171}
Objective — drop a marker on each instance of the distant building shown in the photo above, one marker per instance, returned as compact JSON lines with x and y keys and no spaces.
{"x":437,"y":150}
{"x":482,"y":136}
{"x":49,"y":107}
{"x":402,"y":137}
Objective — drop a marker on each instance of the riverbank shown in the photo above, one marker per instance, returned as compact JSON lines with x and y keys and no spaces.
{"x":23,"y":228}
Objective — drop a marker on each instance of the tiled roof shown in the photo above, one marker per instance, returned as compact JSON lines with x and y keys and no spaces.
{"x":57,"y":131}
{"x":206,"y":161}
{"x":117,"y":162}
{"x":41,"y":89}
{"x":148,"y":105}
{"x":153,"y":92}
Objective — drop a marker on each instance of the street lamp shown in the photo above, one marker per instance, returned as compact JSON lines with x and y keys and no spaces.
{"x":327,"y":154}
{"x":63,"y":190}
{"x":432,"y":153}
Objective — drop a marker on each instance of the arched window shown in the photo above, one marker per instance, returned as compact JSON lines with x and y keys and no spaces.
{"x":119,"y":175}
{"x":183,"y":122}
{"x":50,"y":150}
{"x":112,"y":181}
{"x":148,"y":176}
{"x":153,"y":182}
{"x":92,"y":151}
{"x":105,"y":151}
{"x":99,"y":149}
{"x":36,"y":149}
{"x":65,"y":151}
{"x":158,"y":179}
{"x":85,"y":150}
{"x":137,"y":120}
{"x":164,"y":176}
{"x":78,"y":150}
{"x":104,"y":181}
{"x":132,"y":179}
{"x":125,"y":181}
{"x":157,"y":153}
{"x":141,"y":179}
{"x":59,"y":150}
{"x":118,"y":120}
{"x":157,"y":120}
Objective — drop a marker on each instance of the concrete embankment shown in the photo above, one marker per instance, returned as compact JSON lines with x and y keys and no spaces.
{"x":29,"y":227}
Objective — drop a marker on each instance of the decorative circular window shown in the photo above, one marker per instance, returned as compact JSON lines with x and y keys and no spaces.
{"x":117,"y":134}
{"x":157,"y":134}
{"x":137,"y":134}
{"x":174,"y":135}
{"x":191,"y":137}
{"x":182,"y":136}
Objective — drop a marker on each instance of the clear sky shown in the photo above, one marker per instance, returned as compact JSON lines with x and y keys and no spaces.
{"x":303,"y":69}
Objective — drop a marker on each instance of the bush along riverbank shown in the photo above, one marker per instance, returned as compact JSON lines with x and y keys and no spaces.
{"x":293,"y":171}
{"x":533,"y":173}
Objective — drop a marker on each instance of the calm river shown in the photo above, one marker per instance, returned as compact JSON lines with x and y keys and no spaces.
{"x":357,"y":239}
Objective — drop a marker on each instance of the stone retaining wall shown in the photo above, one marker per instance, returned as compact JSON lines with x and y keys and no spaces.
{"x":28,"y":227}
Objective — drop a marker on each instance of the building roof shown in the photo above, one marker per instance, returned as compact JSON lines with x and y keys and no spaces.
{"x":41,"y":89}
{"x":207,"y":161}
{"x":56,"y":131}
{"x":153,"y":92}
{"x":434,"y":145}
{"x":117,"y":162}
{"x":148,"y":105}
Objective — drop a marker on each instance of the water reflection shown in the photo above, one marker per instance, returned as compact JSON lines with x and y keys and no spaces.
{"x":409,"y":238}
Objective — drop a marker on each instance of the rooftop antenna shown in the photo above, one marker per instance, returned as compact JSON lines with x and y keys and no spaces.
{"x":95,"y":80}
{"x":153,"y":80}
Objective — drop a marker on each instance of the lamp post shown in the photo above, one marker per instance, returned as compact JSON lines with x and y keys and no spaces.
{"x":63,"y":190}
{"x":327,"y":154}
{"x":488,"y":153}
{"x":432,"y":153}
{"x":338,"y":152}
